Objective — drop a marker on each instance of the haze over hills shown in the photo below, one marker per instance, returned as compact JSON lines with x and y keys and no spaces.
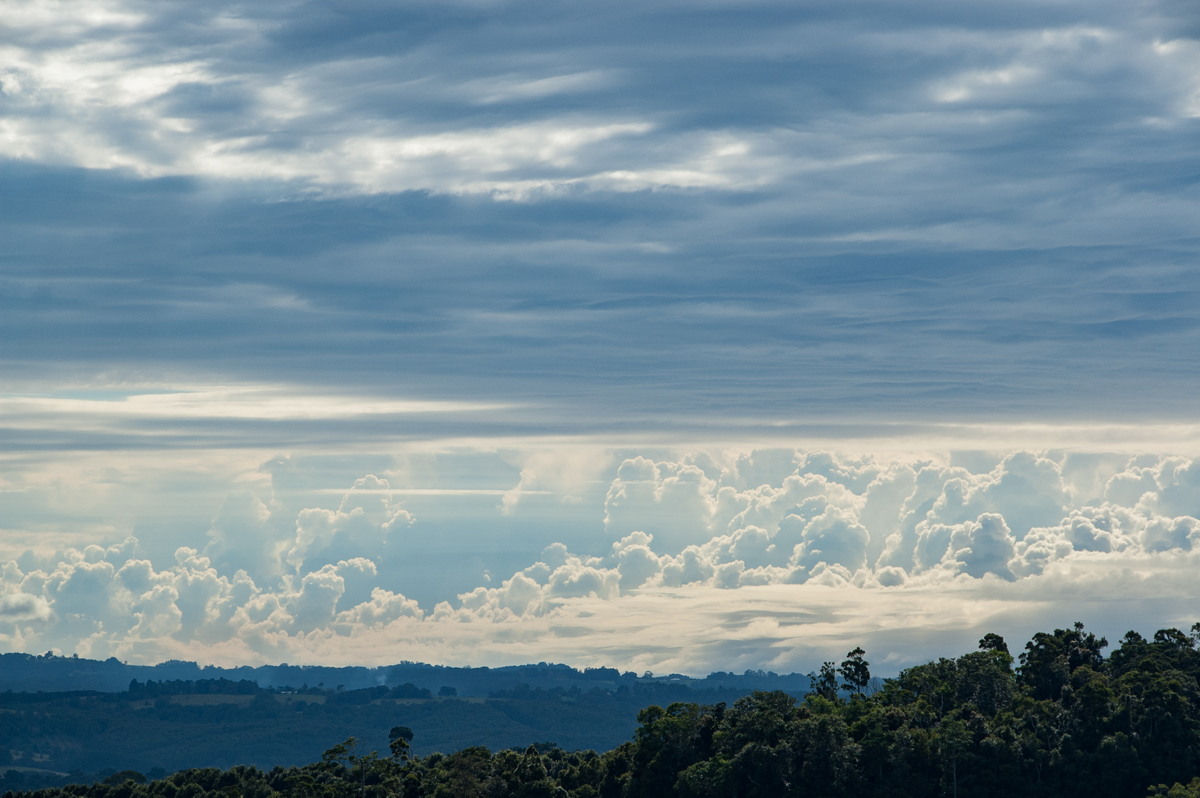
{"x":50,"y":673}
{"x":87,"y":717}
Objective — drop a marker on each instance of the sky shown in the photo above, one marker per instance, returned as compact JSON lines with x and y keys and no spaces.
{"x":674,"y":336}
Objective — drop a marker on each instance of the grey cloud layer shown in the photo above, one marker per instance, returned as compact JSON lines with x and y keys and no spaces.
{"x":630,"y":217}
{"x":817,"y":548}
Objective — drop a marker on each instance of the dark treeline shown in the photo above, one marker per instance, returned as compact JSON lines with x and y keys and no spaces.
{"x":226,"y":687}
{"x":1063,"y":719}
{"x":153,"y":689}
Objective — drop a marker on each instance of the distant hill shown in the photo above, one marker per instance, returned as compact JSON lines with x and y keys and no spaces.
{"x":68,"y":714}
{"x":49,"y":673}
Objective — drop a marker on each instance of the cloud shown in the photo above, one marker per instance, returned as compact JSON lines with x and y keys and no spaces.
{"x":241,"y":537}
{"x":636,"y":561}
{"x":566,"y":472}
{"x":23,"y":607}
{"x":670,"y":501}
{"x":255,"y":594}
{"x":982,"y":547}
{"x":363,"y":524}
{"x":377,"y":319}
{"x":1165,"y":534}
{"x":312,"y":176}
{"x":833,"y":538}
{"x":179,"y":110}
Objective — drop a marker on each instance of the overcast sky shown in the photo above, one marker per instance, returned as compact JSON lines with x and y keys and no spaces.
{"x":675,"y":336}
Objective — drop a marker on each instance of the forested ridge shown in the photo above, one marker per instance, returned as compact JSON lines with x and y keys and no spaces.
{"x":47,"y":673}
{"x":1062,"y":719}
{"x":74,"y":735}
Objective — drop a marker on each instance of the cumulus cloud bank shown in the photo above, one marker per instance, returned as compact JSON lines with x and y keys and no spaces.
{"x":764,"y":558}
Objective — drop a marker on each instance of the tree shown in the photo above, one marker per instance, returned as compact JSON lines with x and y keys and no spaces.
{"x":1049,"y":659}
{"x":344,"y":762}
{"x":855,"y":674}
{"x":829,"y":758}
{"x":469,"y":773}
{"x":530,"y":779}
{"x":667,"y":742}
{"x":993,"y":642}
{"x":117,"y":779}
{"x":1177,"y":790}
{"x":399,"y":739}
{"x":953,"y":743}
{"x":824,"y":683}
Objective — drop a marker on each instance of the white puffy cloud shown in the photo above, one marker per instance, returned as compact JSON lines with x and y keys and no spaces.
{"x":795,"y":536}
{"x":688,"y":567}
{"x":157,"y":612}
{"x":1177,"y":488}
{"x":575,"y":579}
{"x":23,"y":607}
{"x":81,"y":595}
{"x":1106,"y":528}
{"x":673,"y":501}
{"x":242,"y":537}
{"x":751,"y":545}
{"x":983,"y":546}
{"x":834,"y":537}
{"x":314,"y":604}
{"x":1025,"y":487}
{"x":929,"y":483}
{"x":830,"y":575}
{"x":1165,"y":534}
{"x":1128,"y":486}
{"x":566,"y":472}
{"x":636,"y":561}
{"x":383,"y":608}
{"x":361,"y":526}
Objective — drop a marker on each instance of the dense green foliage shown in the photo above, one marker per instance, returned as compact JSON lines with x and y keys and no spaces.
{"x":1066,"y":721}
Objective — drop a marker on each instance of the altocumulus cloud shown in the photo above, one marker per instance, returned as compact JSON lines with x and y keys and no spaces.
{"x":821,"y":551}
